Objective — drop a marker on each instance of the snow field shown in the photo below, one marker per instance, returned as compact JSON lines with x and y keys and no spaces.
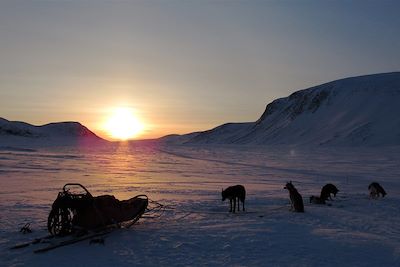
{"x":196,"y":229}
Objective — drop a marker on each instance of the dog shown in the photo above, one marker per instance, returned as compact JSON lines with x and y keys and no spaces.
{"x":295,"y":197}
{"x":375,"y":190}
{"x":232,"y":193}
{"x":327,"y":190}
{"x":317,"y":200}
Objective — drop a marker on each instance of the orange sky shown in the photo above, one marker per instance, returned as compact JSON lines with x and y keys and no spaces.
{"x":182,"y":67}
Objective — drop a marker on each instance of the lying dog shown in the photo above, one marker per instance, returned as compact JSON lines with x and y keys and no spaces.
{"x":327,"y":190}
{"x":317,"y":200}
{"x":375,"y":190}
{"x":232,"y":193}
{"x":295,"y":198}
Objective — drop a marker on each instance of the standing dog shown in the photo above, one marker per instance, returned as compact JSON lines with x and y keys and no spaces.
{"x":327,"y":190}
{"x":375,"y":189}
{"x":233,"y":193}
{"x":295,"y":198}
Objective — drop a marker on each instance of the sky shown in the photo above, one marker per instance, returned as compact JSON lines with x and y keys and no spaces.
{"x":182,"y":66}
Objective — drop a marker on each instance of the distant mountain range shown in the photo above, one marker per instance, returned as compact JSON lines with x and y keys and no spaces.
{"x":362,"y":110}
{"x":356,"y":111}
{"x":62,"y":133}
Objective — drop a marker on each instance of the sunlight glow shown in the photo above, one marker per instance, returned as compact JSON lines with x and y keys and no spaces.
{"x":123,"y":124}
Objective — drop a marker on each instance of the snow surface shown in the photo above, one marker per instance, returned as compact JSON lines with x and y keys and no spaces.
{"x":358,"y":111}
{"x":196,"y":228}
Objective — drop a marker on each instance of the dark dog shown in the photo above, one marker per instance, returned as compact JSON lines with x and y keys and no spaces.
{"x":295,"y":198}
{"x":317,"y":200}
{"x":233,"y":193}
{"x":375,"y":190}
{"x":327,"y":190}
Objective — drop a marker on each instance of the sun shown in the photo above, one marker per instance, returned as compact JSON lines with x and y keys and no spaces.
{"x":123,"y":124}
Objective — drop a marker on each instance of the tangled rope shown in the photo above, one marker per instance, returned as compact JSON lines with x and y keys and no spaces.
{"x":154,"y":210}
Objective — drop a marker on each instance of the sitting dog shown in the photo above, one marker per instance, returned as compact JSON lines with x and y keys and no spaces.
{"x":232,"y":193}
{"x":295,"y":197}
{"x":375,"y":190}
{"x":327,"y":190}
{"x":317,"y":200}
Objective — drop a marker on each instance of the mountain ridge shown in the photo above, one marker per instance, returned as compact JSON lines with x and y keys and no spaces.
{"x":61,"y":133}
{"x":360,"y":110}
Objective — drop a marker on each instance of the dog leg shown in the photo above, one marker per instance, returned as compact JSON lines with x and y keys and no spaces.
{"x":230,"y":200}
{"x":234,"y":204}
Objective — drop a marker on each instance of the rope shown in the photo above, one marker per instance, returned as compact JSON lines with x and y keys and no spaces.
{"x":155,"y":211}
{"x":26,"y":229}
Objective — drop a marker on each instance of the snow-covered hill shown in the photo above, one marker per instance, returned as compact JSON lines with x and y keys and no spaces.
{"x":361,"y":110}
{"x":63,"y":133}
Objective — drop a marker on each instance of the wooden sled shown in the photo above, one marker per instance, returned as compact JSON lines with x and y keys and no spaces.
{"x":76,"y":217}
{"x":80,"y":212}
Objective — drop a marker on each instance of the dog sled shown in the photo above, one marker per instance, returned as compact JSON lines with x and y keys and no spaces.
{"x":77,"y":216}
{"x":74,"y":212}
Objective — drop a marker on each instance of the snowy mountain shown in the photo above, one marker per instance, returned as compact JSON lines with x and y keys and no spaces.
{"x":62,"y":133}
{"x":361,"y":110}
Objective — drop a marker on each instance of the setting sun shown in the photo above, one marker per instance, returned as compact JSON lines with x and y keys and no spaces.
{"x":123,"y":124}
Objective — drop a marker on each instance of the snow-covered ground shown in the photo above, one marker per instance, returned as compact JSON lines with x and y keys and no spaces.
{"x":196,"y":229}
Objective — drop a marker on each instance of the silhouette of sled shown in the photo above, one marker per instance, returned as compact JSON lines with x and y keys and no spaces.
{"x":73,"y":213}
{"x":75,"y":217}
